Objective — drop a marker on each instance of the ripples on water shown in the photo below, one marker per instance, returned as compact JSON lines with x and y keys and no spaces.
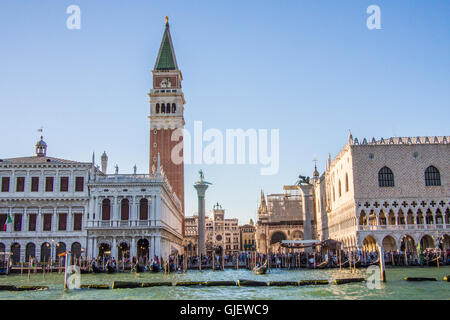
{"x":395,"y":288}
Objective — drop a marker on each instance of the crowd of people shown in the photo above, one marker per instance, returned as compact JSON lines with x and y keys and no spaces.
{"x":311,"y":259}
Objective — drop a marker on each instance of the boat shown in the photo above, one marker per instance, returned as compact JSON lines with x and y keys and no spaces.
{"x":321,"y":265}
{"x":261,"y":269}
{"x":95,"y":269}
{"x":139,"y":268}
{"x":155,"y":267}
{"x":110,"y":269}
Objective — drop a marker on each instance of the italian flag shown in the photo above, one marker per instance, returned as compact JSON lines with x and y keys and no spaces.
{"x":8,"y":220}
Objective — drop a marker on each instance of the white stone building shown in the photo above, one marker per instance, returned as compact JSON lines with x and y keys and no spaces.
{"x":392,"y":192}
{"x":47,"y":200}
{"x":133,"y":213}
{"x":58,"y":205}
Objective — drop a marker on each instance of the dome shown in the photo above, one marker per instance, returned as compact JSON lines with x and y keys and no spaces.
{"x":41,"y":143}
{"x":41,"y":148}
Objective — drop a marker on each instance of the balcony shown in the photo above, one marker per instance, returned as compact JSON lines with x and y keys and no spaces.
{"x":403,"y":227}
{"x":119,"y":224}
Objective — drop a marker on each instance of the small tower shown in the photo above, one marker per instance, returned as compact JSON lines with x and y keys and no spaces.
{"x":41,"y":148}
{"x":104,"y":162}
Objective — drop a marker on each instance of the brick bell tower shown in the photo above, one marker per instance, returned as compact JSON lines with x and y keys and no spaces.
{"x":166,"y":116}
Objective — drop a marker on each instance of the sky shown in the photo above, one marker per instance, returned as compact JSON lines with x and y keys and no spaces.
{"x":311,"y":69}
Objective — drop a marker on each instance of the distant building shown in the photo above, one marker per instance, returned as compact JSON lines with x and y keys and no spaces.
{"x":394,"y":192}
{"x":247,"y":233}
{"x":191,"y":235}
{"x":221,"y":233}
{"x":282,"y":218}
{"x":47,"y":200}
{"x":58,"y":205}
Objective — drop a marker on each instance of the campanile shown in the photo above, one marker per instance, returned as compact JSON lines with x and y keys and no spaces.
{"x":166,"y":116}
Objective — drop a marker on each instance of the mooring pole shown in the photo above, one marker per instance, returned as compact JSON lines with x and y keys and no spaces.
{"x":382,"y":266}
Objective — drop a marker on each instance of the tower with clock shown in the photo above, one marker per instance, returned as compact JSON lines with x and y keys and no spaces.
{"x":166,"y":116}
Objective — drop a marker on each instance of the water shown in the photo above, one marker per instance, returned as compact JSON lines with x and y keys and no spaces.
{"x":395,"y":288}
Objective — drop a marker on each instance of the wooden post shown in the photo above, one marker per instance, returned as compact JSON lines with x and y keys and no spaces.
{"x":21,"y":268}
{"x":340,"y":264}
{"x":29,"y":266}
{"x":382,"y":267}
{"x":437,"y":257}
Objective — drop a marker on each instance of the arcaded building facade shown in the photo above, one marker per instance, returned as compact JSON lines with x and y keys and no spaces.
{"x":284,"y":217}
{"x":50,"y":205}
{"x":392,"y":192}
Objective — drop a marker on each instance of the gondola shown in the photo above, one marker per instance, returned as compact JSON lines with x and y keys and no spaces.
{"x":433,"y":262}
{"x":261,"y":269}
{"x":321,"y":265}
{"x":85,"y":270}
{"x":139,"y":268}
{"x":110,"y":269}
{"x":4,"y":271}
{"x":95,"y":269}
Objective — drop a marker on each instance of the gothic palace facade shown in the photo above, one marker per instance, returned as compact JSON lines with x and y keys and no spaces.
{"x":392,"y":192}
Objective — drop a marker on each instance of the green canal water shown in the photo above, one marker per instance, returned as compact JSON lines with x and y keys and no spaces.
{"x":395,"y":288}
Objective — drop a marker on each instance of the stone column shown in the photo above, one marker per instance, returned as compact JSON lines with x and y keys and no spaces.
{"x":114,"y":248}
{"x":306,"y":188}
{"x":94,"y":247}
{"x":25,"y":219}
{"x":158,"y":210}
{"x":133,"y":252}
{"x":152,"y":247}
{"x":201,"y":187}
{"x":39,"y":221}
{"x":69,"y":220}
{"x":115,"y":213}
{"x":157,"y":240}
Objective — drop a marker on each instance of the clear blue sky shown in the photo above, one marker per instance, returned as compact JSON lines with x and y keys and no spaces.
{"x":309,"y":68}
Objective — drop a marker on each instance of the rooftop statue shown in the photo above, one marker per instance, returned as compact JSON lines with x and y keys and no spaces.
{"x":302,"y":180}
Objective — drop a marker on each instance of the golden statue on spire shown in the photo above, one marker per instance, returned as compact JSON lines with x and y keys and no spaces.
{"x":167,"y":19}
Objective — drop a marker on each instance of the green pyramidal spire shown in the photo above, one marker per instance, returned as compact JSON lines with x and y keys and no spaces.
{"x":166,"y":57}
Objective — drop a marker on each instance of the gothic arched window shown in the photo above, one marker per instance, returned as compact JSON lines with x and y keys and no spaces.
{"x":385,"y":177}
{"x":432,"y":176}
{"x":157,"y":108}
{"x":174,"y":108}
{"x":346,"y":182}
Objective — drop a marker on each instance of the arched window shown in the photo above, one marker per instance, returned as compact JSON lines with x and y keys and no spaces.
{"x":346,"y":182}
{"x":163,"y":108}
{"x":157,"y":108}
{"x":174,"y":108}
{"x":432,"y":176}
{"x":124,"y":209}
{"x":339,"y":188}
{"x":106,"y":209}
{"x":385,"y":177}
